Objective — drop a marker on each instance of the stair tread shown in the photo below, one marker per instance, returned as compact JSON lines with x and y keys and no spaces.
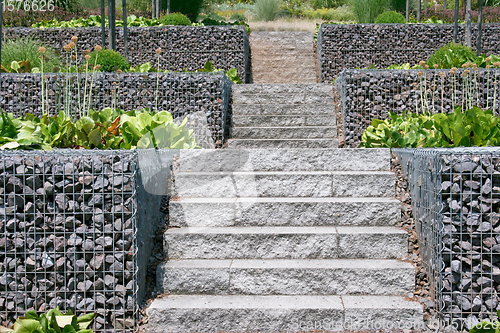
{"x":264,"y":173}
{"x":283,"y":302}
{"x":288,"y":230}
{"x":288,"y":199}
{"x":289,"y":263}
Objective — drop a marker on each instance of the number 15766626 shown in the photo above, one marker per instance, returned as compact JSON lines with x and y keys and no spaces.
{"x":30,"y":5}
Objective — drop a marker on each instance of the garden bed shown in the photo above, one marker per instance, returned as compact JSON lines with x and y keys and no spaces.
{"x":348,"y":46}
{"x":76,"y":231}
{"x":198,"y":95}
{"x":369,"y":94}
{"x":182,"y":47}
{"x":455,"y":198}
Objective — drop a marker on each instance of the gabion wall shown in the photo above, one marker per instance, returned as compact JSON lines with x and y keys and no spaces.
{"x":182,"y":47}
{"x":349,"y":46}
{"x":179,"y":93}
{"x":369,"y":94}
{"x":76,"y":229}
{"x":456,"y":200}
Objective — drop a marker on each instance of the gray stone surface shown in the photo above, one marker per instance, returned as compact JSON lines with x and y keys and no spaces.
{"x":284,"y":160}
{"x":286,"y":277}
{"x":283,"y":144}
{"x":283,"y":57}
{"x":284,"y":98}
{"x":284,"y":109}
{"x":285,"y":242}
{"x":274,"y":313}
{"x":285,"y":184}
{"x":324,"y":89}
{"x":223,"y":212}
{"x":284,"y":120}
{"x":285,"y":133}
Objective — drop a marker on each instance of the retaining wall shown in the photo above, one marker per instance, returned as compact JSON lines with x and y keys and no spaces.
{"x":349,"y":46}
{"x":76,"y":231}
{"x":179,"y":93}
{"x":369,"y":94}
{"x":182,"y":47}
{"x":455,"y":201}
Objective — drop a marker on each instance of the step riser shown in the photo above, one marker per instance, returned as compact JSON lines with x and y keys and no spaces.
{"x":285,"y":185}
{"x":287,"y":89}
{"x":291,"y":281}
{"x":285,"y":246}
{"x":256,"y":121}
{"x":299,"y":98}
{"x":225,"y":214}
{"x":283,"y":144}
{"x":284,"y":132}
{"x":284,"y":109}
{"x":332,"y":314}
{"x":205,"y":160}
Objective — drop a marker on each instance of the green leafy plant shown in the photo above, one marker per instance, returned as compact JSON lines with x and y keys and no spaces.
{"x":26,"y":49}
{"x":232,"y":74}
{"x":105,"y":129}
{"x":175,"y":19}
{"x":452,"y":55}
{"x":109,"y":60}
{"x":266,"y":10}
{"x":54,"y":321}
{"x":473,"y":127}
{"x":390,"y":17}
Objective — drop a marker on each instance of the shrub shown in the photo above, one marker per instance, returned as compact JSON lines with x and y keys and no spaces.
{"x":175,"y":19}
{"x":328,"y":3}
{"x":109,"y":60}
{"x":27,"y":49}
{"x":266,"y":10}
{"x":190,"y":8}
{"x":390,"y":17}
{"x":238,"y":17}
{"x":452,"y":55}
{"x":367,"y":10}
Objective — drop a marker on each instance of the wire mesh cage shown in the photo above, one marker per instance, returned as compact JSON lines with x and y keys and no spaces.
{"x":203,"y":97}
{"x":69,"y":235}
{"x":183,"y":47}
{"x":456,"y":206}
{"x":371,"y":94}
{"x":349,"y":46}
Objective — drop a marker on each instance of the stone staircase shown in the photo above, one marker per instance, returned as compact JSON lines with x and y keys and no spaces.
{"x":272,"y":240}
{"x":283,"y":116}
{"x":283,"y":57}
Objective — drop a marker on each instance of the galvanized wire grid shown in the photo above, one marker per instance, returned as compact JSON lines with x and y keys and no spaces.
{"x":349,"y":46}
{"x":371,"y":94}
{"x":456,"y":205}
{"x":204,"y":96}
{"x":183,"y":47}
{"x":69,"y":230}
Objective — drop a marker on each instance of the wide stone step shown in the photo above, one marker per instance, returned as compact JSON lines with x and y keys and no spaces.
{"x":318,"y":109}
{"x":284,"y":120}
{"x":299,"y":132}
{"x":285,"y":243}
{"x":284,"y":144}
{"x":285,"y":98}
{"x":273,"y":89}
{"x":227,"y":212}
{"x":286,"y":277}
{"x":236,"y":313}
{"x":279,"y":75}
{"x":346,"y":159}
{"x":285,"y":184}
